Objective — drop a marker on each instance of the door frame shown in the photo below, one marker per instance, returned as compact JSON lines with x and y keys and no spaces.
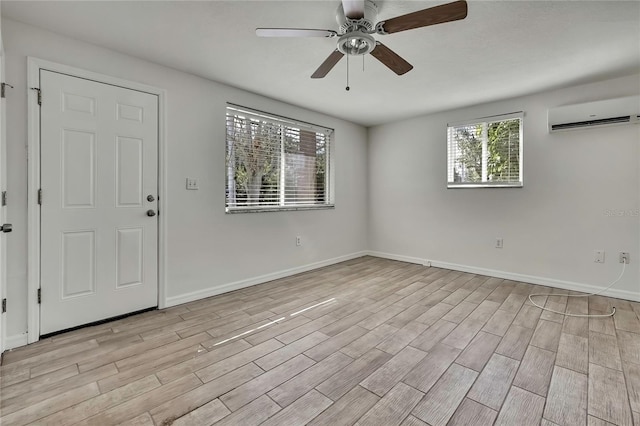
{"x":34,"y":65}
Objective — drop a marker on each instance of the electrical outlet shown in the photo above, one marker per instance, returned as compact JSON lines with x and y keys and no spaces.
{"x":598,"y":256}
{"x":499,"y":243}
{"x":298,"y":241}
{"x":192,"y":184}
{"x":624,"y":257}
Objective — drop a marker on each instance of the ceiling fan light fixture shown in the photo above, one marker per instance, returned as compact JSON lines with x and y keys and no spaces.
{"x":356,"y":43}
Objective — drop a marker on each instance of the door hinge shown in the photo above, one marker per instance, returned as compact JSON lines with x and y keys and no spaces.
{"x":3,"y":88}
{"x":40,"y":196}
{"x":4,"y":305}
{"x":39,"y":296}
{"x":3,"y":198}
{"x":39,"y":94}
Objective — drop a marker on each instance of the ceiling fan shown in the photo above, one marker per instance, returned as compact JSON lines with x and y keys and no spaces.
{"x":356,"y":25}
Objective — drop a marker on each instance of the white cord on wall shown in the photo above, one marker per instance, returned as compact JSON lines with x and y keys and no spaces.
{"x":613,"y":311}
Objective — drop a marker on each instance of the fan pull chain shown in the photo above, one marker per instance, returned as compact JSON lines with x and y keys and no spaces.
{"x":347,"y":88}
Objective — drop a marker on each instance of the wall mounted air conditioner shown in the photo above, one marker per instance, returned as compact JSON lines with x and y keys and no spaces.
{"x":609,"y":112}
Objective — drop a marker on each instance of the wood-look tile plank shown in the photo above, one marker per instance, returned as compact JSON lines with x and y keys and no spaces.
{"x":494,"y":382}
{"x":329,"y":346}
{"x":607,"y":395}
{"x":408,"y":315}
{"x":427,"y":372}
{"x":594,"y":421}
{"x":368,"y":341}
{"x":576,"y":326}
{"x":434,"y":314}
{"x":276,"y":330}
{"x":385,"y":378}
{"x":603,"y":325}
{"x":499,"y":322}
{"x":629,"y":344}
{"x":547,"y":335}
{"x":603,"y":350}
{"x":573,"y":353}
{"x":226,"y":365}
{"x":95,"y":405}
{"x":513,"y":302}
{"x":441,"y":402}
{"x":535,"y":371}
{"x":528,"y":316}
{"x":345,"y":323}
{"x":206,"y":415}
{"x":348,"y":409}
{"x":567,"y":399}
{"x":515,"y":342}
{"x":143,"y":419}
{"x":144,"y":402}
{"x":281,"y":355}
{"x":302,"y":383}
{"x":173,"y":372}
{"x":262,"y":384}
{"x":251,"y":414}
{"x":632,"y":376}
{"x":302,"y":411}
{"x":10,"y":405}
{"x":380,"y":317}
{"x":193,"y":399}
{"x":626,"y":321}
{"x":413,"y":421}
{"x":344,"y":380}
{"x":521,"y":408}
{"x":470,"y":413}
{"x":459,"y":312}
{"x":433,"y":335}
{"x":478,"y":352}
{"x":462,"y":335}
{"x":51,"y":405}
{"x":46,"y":381}
{"x":306,"y":329}
{"x":393,"y":408}
{"x":395,"y":343}
{"x":556,"y":303}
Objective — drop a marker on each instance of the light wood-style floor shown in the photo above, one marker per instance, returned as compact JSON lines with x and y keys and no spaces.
{"x":367,"y":342}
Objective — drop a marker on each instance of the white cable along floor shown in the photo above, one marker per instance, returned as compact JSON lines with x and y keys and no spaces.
{"x":372,"y":341}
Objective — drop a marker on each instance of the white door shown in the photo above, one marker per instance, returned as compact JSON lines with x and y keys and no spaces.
{"x":99,"y":180}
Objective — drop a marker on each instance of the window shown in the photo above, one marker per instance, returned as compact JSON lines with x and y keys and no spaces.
{"x":275,"y":163}
{"x":485,"y":152}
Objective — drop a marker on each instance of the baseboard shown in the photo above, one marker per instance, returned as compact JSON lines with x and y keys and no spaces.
{"x":237,"y":285}
{"x":15,"y":341}
{"x":398,"y":257}
{"x":531,"y":279}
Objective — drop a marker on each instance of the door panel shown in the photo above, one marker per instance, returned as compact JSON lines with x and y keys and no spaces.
{"x":99,"y":163}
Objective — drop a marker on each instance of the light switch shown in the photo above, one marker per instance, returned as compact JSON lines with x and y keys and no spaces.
{"x":192,"y":183}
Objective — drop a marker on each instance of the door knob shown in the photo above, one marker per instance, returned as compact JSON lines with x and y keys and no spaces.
{"x":7,"y":227}
{"x":151,"y":213}
{"x":150,"y":198}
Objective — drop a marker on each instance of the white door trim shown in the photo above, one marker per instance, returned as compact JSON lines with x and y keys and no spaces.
{"x":34,"y":65}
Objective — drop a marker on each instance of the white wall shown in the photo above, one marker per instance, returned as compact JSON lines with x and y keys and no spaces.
{"x":206,"y":247}
{"x":550,"y":227}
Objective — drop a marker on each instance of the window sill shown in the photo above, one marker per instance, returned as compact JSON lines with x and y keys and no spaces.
{"x":236,"y":210}
{"x":484,"y":185}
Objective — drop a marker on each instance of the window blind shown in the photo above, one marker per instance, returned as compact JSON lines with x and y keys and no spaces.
{"x":275,"y":163}
{"x":485,"y":152}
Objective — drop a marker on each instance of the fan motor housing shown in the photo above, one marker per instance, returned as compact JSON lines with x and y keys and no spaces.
{"x":366,"y":23}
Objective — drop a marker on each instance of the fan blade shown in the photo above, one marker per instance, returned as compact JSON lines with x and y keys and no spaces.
{"x":353,"y":9}
{"x":328,"y":64}
{"x":391,"y":59}
{"x":293,"y":32}
{"x":423,"y":18}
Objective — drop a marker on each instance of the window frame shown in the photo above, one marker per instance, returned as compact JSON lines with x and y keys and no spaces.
{"x":487,"y":120}
{"x":234,"y":109}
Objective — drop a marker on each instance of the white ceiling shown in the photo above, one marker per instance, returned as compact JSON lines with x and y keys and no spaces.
{"x":502,"y":49}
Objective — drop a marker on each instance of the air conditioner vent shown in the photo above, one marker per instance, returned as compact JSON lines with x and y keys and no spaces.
{"x":609,"y":112}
